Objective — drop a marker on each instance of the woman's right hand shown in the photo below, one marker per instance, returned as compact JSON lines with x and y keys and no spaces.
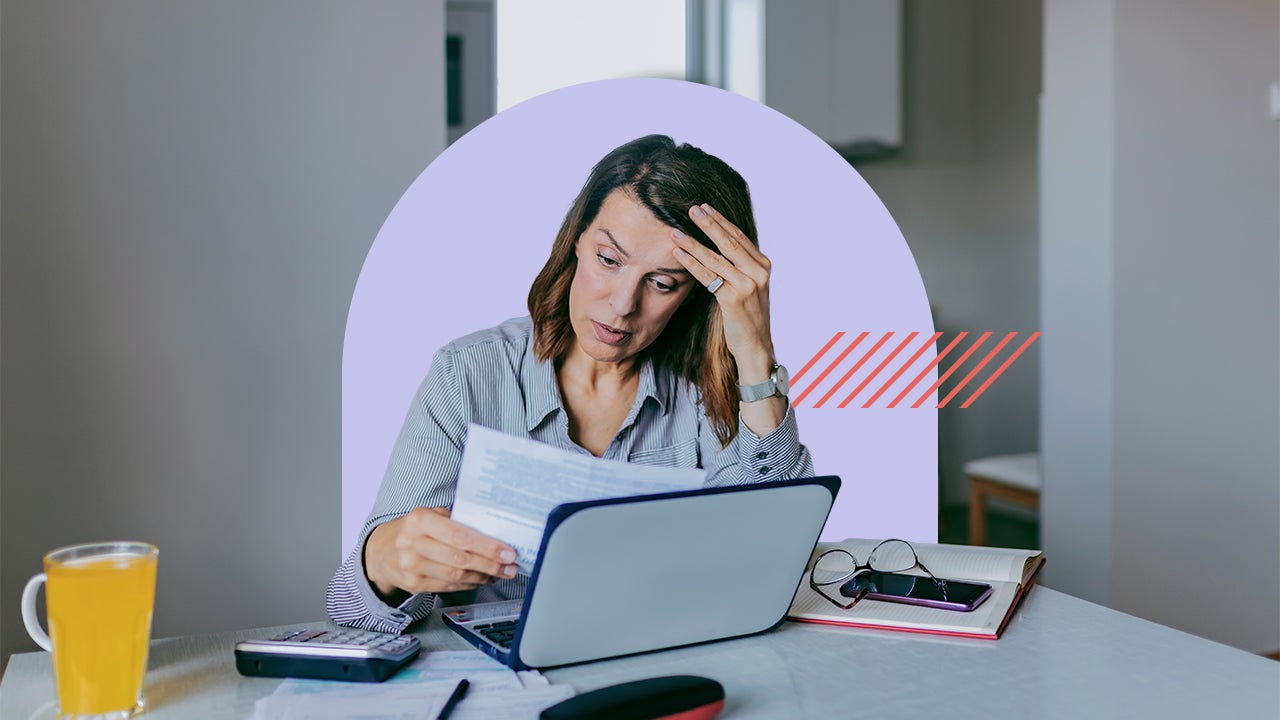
{"x":427,"y":552}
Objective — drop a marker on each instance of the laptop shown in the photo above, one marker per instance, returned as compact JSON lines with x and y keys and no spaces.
{"x":649,"y":572}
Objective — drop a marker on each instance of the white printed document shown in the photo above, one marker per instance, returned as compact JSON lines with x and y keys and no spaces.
{"x":508,"y":486}
{"x":418,"y":692}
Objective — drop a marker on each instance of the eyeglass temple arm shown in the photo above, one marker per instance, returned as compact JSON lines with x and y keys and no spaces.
{"x":940,"y":582}
{"x":862,"y":592}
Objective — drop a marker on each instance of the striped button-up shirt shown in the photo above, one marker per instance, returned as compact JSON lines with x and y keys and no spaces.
{"x":492,"y":378}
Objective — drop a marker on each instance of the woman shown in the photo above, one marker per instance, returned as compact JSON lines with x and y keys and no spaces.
{"x":648,"y":341}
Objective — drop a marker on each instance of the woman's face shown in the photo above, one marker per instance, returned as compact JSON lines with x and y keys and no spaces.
{"x":628,"y":283}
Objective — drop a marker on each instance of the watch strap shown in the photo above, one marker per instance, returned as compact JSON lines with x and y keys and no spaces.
{"x":762,"y":390}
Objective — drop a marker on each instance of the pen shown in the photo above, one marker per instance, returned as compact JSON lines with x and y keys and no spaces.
{"x":454,"y":699}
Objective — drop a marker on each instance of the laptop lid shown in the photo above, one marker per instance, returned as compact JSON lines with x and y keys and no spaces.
{"x":649,"y":572}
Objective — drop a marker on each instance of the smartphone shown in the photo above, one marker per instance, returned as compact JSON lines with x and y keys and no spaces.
{"x":915,"y":590}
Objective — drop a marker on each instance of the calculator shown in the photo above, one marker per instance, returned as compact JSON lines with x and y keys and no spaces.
{"x":342,"y":654}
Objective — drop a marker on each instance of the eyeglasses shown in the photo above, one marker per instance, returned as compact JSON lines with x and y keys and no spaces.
{"x":837,"y":566}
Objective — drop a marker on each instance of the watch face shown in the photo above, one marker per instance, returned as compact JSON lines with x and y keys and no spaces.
{"x":782,"y":379}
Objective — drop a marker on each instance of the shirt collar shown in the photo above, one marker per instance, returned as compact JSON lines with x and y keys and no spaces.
{"x":659,"y":386}
{"x":541,"y":393}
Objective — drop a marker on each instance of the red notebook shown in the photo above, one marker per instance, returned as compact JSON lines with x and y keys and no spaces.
{"x":1011,"y":573}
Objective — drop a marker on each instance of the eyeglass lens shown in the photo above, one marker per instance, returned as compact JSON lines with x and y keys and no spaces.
{"x":838,"y":565}
{"x":833,"y":566}
{"x":893,"y":556}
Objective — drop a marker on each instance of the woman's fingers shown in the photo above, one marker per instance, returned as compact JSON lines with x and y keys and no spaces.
{"x":732,"y":243}
{"x":429,"y":552}
{"x":430,"y":557}
{"x":425,"y":575}
{"x":436,"y":523}
{"x":705,"y":265}
{"x":736,"y":238}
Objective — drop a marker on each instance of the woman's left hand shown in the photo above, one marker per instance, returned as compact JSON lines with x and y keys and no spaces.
{"x":744,"y":293}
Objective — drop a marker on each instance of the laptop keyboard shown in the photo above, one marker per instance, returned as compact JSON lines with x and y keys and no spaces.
{"x":499,"y":633}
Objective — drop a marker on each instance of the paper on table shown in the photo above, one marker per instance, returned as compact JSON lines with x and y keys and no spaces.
{"x":453,"y":665}
{"x":441,"y":667}
{"x":421,"y":705}
{"x":419,"y":691}
{"x":508,"y":486}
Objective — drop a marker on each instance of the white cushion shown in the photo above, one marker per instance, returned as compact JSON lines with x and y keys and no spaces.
{"x":1021,"y":471}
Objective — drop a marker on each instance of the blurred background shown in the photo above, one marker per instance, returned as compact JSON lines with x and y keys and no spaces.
{"x":188,"y":191}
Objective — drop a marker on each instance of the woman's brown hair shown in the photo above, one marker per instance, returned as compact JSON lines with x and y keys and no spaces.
{"x":667,"y":179}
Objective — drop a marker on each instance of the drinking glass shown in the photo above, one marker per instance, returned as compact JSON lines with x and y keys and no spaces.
{"x":99,"y":599}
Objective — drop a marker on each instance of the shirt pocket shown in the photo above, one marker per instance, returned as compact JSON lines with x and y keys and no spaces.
{"x":682,"y":455}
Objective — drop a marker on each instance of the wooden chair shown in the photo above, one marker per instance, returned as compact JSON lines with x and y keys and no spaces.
{"x":1014,"y":478}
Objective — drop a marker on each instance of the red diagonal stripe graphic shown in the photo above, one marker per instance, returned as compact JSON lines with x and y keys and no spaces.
{"x":932,"y":364}
{"x":812,"y":361}
{"x":883,"y":364}
{"x":994,"y":351}
{"x":855,"y":369}
{"x":1000,"y":370}
{"x":825,"y":373}
{"x":953,"y":368}
{"x":910,"y":361}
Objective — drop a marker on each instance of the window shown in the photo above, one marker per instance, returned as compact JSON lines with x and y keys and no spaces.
{"x":549,"y":44}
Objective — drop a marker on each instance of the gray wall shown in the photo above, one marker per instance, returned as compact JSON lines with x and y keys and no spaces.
{"x":964,"y":194}
{"x":1076,"y":239}
{"x":189,"y":191}
{"x":1167,"y":505}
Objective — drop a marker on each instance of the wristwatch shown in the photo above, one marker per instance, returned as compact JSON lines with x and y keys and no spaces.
{"x":775,"y":385}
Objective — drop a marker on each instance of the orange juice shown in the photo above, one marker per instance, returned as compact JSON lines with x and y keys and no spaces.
{"x":99,"y":610}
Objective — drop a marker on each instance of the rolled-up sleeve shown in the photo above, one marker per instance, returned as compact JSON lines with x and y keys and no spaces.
{"x":749,"y":458}
{"x":422,"y":472}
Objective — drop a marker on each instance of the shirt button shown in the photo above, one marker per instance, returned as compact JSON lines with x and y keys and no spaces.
{"x":761,"y":455}
{"x":765,"y":470}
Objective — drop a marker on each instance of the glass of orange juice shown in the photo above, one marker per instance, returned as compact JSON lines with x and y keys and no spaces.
{"x":99,"y":599}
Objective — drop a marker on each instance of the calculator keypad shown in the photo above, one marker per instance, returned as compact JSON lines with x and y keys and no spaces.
{"x":384,"y":644}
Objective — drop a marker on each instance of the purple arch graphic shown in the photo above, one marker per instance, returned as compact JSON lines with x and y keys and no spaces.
{"x":460,"y":249}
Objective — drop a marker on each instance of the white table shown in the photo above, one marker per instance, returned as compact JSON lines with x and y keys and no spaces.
{"x":1061,"y":657}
